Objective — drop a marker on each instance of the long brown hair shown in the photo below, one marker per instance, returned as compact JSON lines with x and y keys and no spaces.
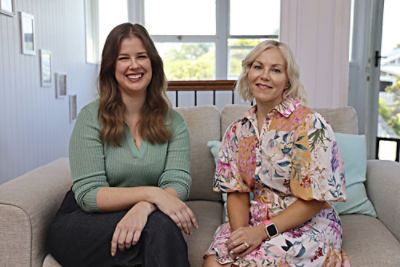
{"x":112,"y":109}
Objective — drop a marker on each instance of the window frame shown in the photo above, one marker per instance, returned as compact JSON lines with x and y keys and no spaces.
{"x":136,"y":14}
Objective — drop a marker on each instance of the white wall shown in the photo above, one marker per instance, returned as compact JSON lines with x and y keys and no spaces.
{"x":318,"y":32}
{"x":34,"y":125}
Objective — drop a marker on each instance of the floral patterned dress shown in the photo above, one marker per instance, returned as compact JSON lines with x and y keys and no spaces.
{"x":294,"y":157}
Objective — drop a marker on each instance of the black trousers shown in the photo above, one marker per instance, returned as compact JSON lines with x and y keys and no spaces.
{"x":77,"y":238}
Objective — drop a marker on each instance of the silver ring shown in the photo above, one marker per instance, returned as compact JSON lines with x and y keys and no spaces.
{"x":245,"y":244}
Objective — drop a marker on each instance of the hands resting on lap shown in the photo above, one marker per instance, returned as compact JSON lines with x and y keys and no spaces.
{"x":129,"y":228}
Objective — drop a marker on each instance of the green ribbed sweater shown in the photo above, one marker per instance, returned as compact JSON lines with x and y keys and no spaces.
{"x":95,"y":164}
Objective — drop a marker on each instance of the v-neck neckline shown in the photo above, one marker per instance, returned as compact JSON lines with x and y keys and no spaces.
{"x":131,"y":143}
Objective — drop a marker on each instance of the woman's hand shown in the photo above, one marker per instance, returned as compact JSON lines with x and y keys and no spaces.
{"x":168,"y":202}
{"x":244,"y":240}
{"x":130,"y":227}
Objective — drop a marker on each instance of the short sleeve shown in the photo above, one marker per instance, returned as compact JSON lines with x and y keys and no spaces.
{"x":229,"y":176}
{"x":317,"y":167}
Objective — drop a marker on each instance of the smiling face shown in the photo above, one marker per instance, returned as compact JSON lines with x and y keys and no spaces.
{"x":133,"y":70}
{"x":268,"y":78}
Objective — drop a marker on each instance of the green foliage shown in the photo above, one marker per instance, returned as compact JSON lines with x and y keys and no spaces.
{"x":196,"y":61}
{"x":190,"y":62}
{"x":391,"y":115}
{"x":384,"y":110}
{"x":394,"y":88}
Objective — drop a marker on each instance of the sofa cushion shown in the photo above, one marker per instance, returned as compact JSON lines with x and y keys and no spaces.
{"x":231,"y":113}
{"x":204,"y":124}
{"x":25,"y":216}
{"x":368,"y":242}
{"x":342,"y":120}
{"x":209,"y":217}
{"x":49,"y":261}
{"x":353,"y":150}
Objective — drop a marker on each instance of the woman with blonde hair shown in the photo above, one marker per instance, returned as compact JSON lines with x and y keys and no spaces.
{"x":286,"y":155}
{"x":130,"y":165}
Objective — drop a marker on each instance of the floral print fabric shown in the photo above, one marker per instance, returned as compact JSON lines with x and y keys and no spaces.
{"x":295,"y":156}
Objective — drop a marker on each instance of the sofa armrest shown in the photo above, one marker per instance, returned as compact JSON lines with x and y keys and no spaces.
{"x":27,"y":206}
{"x":383,"y":187}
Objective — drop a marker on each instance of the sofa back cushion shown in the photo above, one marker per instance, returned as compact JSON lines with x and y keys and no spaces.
{"x":204,"y":125}
{"x":342,"y":120}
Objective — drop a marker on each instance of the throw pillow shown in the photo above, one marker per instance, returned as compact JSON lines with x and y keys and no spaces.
{"x":353,"y":150}
{"x":214,"y":149}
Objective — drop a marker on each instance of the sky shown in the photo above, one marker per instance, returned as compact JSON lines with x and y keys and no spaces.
{"x":202,"y":19}
{"x":391,"y":26}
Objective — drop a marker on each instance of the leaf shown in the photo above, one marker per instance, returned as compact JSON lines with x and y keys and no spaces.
{"x":285,"y":136}
{"x":300,"y":146}
{"x":286,"y":150}
{"x":277,"y":175}
{"x":301,"y":252}
{"x":284,"y":163}
{"x":322,"y":124}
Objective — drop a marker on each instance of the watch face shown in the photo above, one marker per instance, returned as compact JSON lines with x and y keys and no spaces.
{"x":271,"y":229}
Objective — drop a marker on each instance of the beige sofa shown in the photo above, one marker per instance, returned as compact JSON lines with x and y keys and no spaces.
{"x":28,"y":203}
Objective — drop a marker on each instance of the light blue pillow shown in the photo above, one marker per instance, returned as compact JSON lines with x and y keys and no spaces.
{"x":353,"y":150}
{"x":214,"y":149}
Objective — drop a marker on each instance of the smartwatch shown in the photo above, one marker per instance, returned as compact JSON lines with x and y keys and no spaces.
{"x":271,"y":229}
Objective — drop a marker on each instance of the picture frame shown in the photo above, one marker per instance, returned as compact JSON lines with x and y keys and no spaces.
{"x":45,"y":68}
{"x":61,"y":84}
{"x":72,"y":107}
{"x":7,"y":7}
{"x":28,"y":39}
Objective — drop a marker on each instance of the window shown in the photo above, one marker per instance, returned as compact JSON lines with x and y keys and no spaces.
{"x":101,"y":17}
{"x":197,"y":39}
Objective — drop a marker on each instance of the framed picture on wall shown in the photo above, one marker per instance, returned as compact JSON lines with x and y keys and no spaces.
{"x":45,"y":68}
{"x":72,"y":107}
{"x":7,"y":7}
{"x":61,"y":84}
{"x":27,"y":24}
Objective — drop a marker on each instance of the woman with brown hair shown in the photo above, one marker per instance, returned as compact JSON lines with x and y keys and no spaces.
{"x":130,"y":165}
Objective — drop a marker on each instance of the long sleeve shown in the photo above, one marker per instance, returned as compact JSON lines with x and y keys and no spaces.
{"x":87,"y":160}
{"x":176,"y":173}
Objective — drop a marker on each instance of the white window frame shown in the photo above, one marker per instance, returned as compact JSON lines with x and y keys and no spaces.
{"x":136,"y":14}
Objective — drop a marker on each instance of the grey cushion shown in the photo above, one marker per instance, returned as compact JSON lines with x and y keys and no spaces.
{"x":383,"y":186}
{"x":342,"y":120}
{"x":27,"y":206}
{"x":209,"y":216}
{"x":368,"y":242}
{"x":231,"y":113}
{"x":203,"y":123}
{"x":49,"y":261}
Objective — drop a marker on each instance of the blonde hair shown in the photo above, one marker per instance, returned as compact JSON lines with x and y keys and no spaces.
{"x":295,"y":89}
